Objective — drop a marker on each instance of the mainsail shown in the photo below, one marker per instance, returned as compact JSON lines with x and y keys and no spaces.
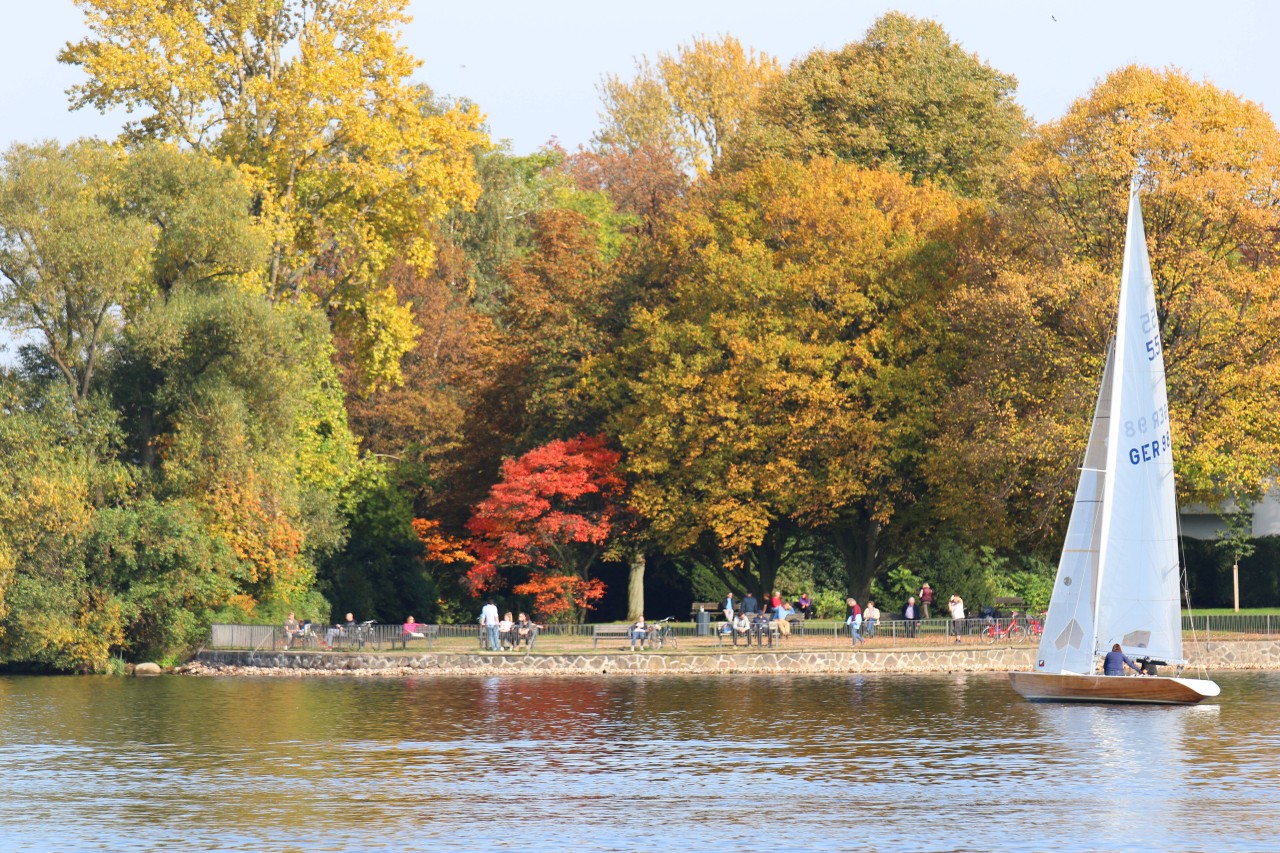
{"x":1119,"y":579}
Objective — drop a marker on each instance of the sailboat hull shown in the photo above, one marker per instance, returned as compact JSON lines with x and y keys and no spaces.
{"x":1068,"y":687}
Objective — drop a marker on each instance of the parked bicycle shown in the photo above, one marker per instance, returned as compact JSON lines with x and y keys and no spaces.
{"x":1002,"y":630}
{"x":661,"y":633}
{"x":1035,"y":626}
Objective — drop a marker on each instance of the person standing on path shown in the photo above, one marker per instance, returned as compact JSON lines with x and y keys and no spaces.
{"x":728,"y":608}
{"x":911,"y":613}
{"x":956,"y":606}
{"x":855,"y":625}
{"x":926,"y":599}
{"x":489,"y":621}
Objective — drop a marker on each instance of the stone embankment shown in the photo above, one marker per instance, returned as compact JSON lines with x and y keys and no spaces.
{"x":1214,"y":656}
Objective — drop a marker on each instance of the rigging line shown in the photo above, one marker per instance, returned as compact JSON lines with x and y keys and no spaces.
{"x":1186,"y":590}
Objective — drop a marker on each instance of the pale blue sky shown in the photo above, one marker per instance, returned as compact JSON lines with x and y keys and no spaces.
{"x":533,"y":67}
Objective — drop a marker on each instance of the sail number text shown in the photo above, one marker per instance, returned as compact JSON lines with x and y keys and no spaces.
{"x":1148,"y":450}
{"x":1151,"y":323}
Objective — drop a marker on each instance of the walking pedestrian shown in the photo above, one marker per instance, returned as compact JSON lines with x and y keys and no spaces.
{"x":956,"y":606}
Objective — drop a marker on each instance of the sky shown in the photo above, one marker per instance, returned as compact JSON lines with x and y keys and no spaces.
{"x":534,"y":68}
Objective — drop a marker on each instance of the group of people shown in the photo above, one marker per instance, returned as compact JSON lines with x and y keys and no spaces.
{"x":504,"y":632}
{"x":295,"y":631}
{"x":862,"y":622}
{"x":759,"y":625}
{"x":743,"y":619}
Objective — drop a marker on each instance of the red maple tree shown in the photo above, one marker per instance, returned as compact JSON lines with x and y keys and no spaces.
{"x":559,"y":598}
{"x":552,"y":511}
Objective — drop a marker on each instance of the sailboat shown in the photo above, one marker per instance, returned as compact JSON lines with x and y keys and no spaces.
{"x":1119,"y":579}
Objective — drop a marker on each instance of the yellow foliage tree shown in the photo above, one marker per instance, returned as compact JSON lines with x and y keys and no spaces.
{"x":1208,"y":164}
{"x":691,"y":101}
{"x":312,"y":98}
{"x":787,"y":374}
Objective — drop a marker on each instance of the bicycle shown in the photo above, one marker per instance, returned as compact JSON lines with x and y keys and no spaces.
{"x":661,"y":633}
{"x":1035,"y":626}
{"x":1011,"y":631}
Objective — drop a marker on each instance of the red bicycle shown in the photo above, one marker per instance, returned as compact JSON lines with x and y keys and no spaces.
{"x":1035,"y":627}
{"x":1001,"y":630}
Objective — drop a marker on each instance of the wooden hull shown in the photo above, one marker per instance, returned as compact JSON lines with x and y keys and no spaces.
{"x":1067,"y":687}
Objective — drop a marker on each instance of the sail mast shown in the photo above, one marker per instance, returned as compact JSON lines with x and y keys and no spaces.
{"x":1133,"y":230}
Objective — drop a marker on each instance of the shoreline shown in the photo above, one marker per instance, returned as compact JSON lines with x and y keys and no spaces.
{"x":1216,"y":655}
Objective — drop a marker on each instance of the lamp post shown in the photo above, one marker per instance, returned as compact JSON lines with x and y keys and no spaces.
{"x":1235,"y":583}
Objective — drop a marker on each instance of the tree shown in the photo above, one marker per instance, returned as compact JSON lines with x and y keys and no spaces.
{"x":645,"y":181}
{"x":73,"y":258}
{"x":784,"y":375}
{"x":312,"y":99}
{"x":905,"y":98}
{"x":556,"y":508}
{"x":234,"y":404}
{"x":54,"y":611}
{"x":689,"y":102}
{"x":1038,"y":323}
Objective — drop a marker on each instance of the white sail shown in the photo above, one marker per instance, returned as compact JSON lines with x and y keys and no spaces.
{"x":1068,"y":639}
{"x":1118,"y":579}
{"x":1138,"y":596}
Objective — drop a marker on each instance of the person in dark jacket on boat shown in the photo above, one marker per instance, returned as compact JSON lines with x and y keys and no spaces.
{"x":1115,"y":662}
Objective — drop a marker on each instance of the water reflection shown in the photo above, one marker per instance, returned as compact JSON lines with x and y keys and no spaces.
{"x":879,"y":762}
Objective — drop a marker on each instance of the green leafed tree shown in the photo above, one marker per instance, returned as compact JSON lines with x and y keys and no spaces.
{"x":905,"y":97}
{"x":74,"y":259}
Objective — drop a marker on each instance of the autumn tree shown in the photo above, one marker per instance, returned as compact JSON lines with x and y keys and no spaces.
{"x":312,"y":99}
{"x":1037,"y":328}
{"x":239,"y":401}
{"x":554,"y":512}
{"x":785,"y":379}
{"x":74,"y":259}
{"x":689,"y":101}
{"x":645,"y":181}
{"x":53,"y":610}
{"x":905,"y":98}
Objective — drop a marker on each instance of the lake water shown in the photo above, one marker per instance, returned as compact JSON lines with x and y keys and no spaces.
{"x":885,"y":762}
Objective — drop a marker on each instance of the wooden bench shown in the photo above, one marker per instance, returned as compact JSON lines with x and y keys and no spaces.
{"x":712,"y":607}
{"x":598,"y":631}
{"x":723,"y":636}
{"x":429,"y":633}
{"x":1005,"y":603}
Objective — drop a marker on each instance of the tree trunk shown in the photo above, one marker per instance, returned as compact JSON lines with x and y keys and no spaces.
{"x":635,"y":587}
{"x":858,"y":539}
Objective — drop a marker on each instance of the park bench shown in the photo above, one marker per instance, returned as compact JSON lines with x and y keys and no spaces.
{"x":774,"y":634}
{"x":1005,"y":603}
{"x":622,"y":631}
{"x":712,"y":607}
{"x":428,"y":632}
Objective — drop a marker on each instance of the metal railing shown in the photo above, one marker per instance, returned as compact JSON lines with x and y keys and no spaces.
{"x":818,"y":631}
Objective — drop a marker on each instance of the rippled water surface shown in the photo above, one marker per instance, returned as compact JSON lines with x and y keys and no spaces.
{"x":885,"y":762}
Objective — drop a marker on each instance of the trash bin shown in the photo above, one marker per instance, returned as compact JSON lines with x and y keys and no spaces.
{"x":703,"y":622}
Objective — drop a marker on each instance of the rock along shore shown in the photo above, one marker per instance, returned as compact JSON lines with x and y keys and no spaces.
{"x":1216,"y":655}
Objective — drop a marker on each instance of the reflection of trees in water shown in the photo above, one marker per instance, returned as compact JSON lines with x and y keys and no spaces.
{"x":624,"y":759}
